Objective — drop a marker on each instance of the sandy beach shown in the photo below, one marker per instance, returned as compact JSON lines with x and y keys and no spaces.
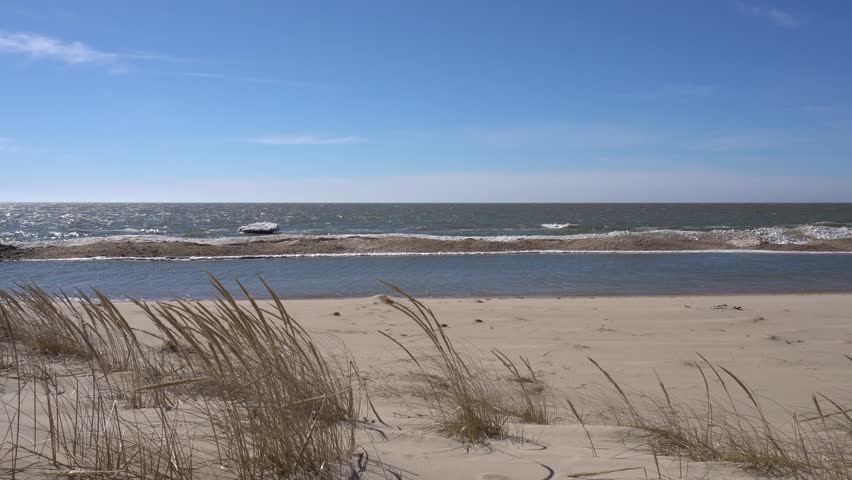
{"x":426,"y":240}
{"x":785,"y":347}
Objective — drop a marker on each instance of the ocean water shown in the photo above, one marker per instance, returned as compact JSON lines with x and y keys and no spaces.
{"x":452,"y":275}
{"x":599,"y":273}
{"x":51,"y":221}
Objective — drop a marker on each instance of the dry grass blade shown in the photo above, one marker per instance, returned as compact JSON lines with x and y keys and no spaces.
{"x":534,"y":406}
{"x":239,"y":387}
{"x":636,"y":418}
{"x":602,"y":472}
{"x":675,"y":429}
{"x":285,"y":408}
{"x":465,"y":403}
{"x":579,"y":418}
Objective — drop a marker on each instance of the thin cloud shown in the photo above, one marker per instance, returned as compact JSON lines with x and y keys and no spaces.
{"x":751,"y":141}
{"x":777,"y":17}
{"x":40,"y":46}
{"x":222,"y":76}
{"x":44,"y":47}
{"x":824,"y":109}
{"x":306,"y":140}
{"x":575,"y":135}
{"x":7,"y":145}
{"x":226,"y":77}
{"x":683,"y":91}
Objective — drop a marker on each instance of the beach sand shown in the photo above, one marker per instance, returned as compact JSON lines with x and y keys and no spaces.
{"x":785,"y":347}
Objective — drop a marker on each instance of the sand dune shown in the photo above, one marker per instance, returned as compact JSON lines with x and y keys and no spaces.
{"x":784,"y":346}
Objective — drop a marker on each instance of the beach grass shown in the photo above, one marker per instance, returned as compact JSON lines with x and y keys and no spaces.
{"x":465,"y":401}
{"x":238,"y":389}
{"x":734,"y":428}
{"x":231,"y":391}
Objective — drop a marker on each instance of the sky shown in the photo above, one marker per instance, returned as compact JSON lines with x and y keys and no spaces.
{"x":426,"y":101}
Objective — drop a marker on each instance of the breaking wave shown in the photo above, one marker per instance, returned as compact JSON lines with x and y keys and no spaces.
{"x":557,"y":226}
{"x":800,"y":235}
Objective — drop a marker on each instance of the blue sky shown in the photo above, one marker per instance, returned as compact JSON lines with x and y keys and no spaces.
{"x":426,"y":101}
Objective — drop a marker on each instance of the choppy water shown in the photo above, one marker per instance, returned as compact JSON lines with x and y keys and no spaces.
{"x":47,"y":222}
{"x":440,"y":275}
{"x":454,"y":275}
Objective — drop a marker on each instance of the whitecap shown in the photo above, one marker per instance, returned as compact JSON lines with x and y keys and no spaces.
{"x":557,"y":226}
{"x":746,"y":238}
{"x":821,"y":232}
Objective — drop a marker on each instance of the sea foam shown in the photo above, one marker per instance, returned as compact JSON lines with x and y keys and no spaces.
{"x":557,"y":226}
{"x":737,"y":238}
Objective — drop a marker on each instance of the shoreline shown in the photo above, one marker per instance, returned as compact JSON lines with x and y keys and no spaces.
{"x":427,"y":254}
{"x":150,"y":248}
{"x":534,"y":298}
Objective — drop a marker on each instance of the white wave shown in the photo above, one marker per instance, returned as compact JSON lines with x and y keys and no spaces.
{"x":746,"y":238}
{"x":289,"y":236}
{"x":151,"y":231}
{"x":802,"y":235}
{"x":822,"y":232}
{"x":557,"y":226}
{"x":756,"y":236}
{"x":62,"y":235}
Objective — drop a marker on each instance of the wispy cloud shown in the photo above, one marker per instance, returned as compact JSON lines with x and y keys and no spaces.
{"x":218,"y":76}
{"x":676,"y":91}
{"x":40,"y":46}
{"x":575,"y":135}
{"x":306,"y":140}
{"x":751,"y":141}
{"x":44,"y":47}
{"x":777,"y":17}
{"x":235,"y":78}
{"x":7,"y":145}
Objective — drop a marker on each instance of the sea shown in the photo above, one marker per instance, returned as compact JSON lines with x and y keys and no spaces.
{"x":435,"y":275}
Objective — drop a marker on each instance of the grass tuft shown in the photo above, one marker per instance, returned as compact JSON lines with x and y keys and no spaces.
{"x":224,"y":389}
{"x":465,"y":401}
{"x":722,"y":432}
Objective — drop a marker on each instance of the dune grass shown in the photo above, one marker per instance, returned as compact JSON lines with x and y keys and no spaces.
{"x":465,"y":402}
{"x":468,"y":401}
{"x":284,"y":406}
{"x":529,"y":401}
{"x":220,"y":390}
{"x":736,"y":429}
{"x":86,"y":327}
{"x":240,"y":390}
